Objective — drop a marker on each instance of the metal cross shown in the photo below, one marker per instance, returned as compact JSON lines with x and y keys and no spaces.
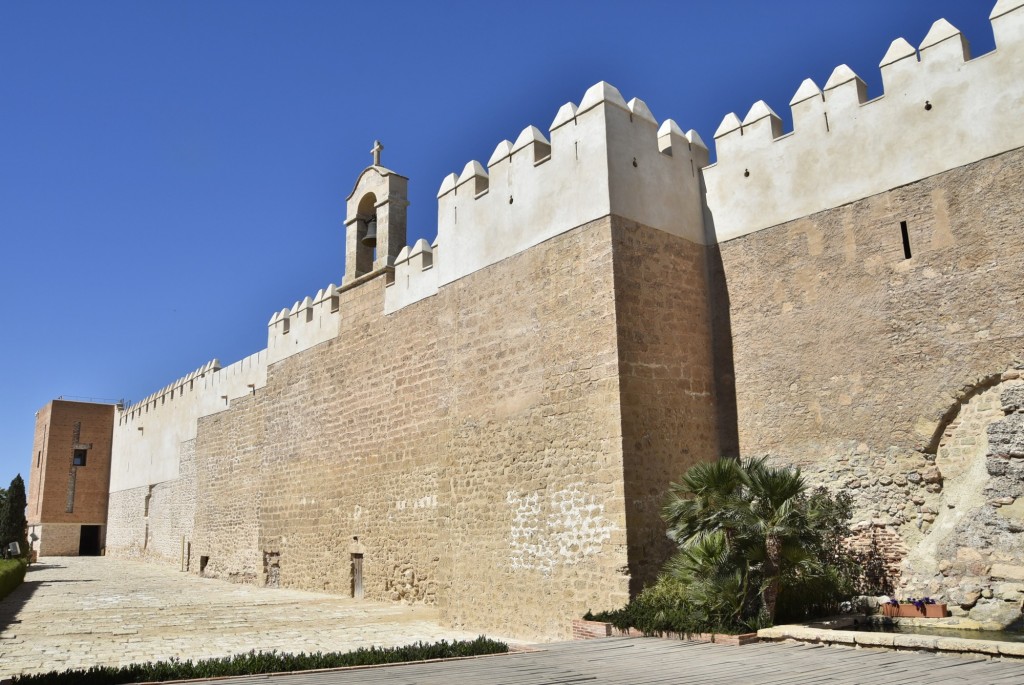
{"x":377,"y":147}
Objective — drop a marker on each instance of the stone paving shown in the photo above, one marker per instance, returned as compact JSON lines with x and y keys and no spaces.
{"x":75,"y":612}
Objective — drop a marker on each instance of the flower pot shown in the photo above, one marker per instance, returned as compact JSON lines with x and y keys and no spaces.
{"x":911,"y":611}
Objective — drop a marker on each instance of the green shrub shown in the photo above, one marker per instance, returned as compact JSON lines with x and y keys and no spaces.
{"x":253,"y":663}
{"x":671,"y":605}
{"x":12,"y":573}
{"x":754,"y":546}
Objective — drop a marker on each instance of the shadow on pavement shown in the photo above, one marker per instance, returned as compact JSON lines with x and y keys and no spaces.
{"x":12,"y":604}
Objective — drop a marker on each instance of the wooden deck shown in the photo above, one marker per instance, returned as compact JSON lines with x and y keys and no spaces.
{"x":649,"y":661}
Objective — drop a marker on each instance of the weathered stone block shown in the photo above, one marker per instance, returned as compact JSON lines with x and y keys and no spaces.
{"x":1007,"y":572}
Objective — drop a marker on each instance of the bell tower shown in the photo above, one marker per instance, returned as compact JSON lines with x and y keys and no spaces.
{"x":374,"y":219}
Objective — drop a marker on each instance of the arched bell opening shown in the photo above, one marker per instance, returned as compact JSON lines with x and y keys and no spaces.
{"x":374,"y":221}
{"x":366,"y":234}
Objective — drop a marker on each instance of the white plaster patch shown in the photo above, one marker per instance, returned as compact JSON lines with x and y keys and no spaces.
{"x":560,"y":529}
{"x":425,"y":502}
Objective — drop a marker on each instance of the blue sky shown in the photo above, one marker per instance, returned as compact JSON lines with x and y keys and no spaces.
{"x":172,"y":173}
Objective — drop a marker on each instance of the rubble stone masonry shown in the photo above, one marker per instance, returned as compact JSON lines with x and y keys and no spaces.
{"x":870,"y":369}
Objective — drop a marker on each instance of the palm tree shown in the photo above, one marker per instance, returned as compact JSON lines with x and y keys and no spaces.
{"x":757,"y":516}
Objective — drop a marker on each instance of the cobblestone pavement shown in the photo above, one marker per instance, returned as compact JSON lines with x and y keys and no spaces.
{"x":74,"y":612}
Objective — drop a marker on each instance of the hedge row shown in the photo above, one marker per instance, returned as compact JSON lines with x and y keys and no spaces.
{"x":253,"y":663}
{"x":12,"y":572}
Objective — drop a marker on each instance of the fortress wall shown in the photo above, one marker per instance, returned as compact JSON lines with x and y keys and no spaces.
{"x":666,"y":372}
{"x":308,"y":323}
{"x":605,"y":156}
{"x":355,"y":443}
{"x":229,"y":457}
{"x":415,"y":276}
{"x":148,"y":435}
{"x":152,"y":447}
{"x":537,"y":522}
{"x":940,"y":110}
{"x":160,"y":528}
{"x":848,"y":356}
{"x":126,"y":522}
{"x":473,"y":453}
{"x":172,"y":508}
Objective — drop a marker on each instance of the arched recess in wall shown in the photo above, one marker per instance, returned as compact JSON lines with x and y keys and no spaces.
{"x":971,"y":515}
{"x":966,"y":394}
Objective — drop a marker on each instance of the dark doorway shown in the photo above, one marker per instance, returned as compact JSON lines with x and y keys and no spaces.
{"x":89,"y":542}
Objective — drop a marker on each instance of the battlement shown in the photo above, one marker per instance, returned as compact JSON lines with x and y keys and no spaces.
{"x":604,"y":156}
{"x":178,"y":388}
{"x":941,"y":109}
{"x":415,"y":276}
{"x":158,"y":424}
{"x":310,"y":322}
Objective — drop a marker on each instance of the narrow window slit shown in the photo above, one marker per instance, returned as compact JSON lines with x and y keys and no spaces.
{"x":906,"y":239}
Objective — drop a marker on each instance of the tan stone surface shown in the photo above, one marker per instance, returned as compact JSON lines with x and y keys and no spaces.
{"x":478,"y":443}
{"x":666,"y":379}
{"x":879,"y":375}
{"x":76,"y":612}
{"x":839,"y":339}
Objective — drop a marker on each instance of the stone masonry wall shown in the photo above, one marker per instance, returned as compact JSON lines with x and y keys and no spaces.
{"x":848,"y":356}
{"x":666,"y":377}
{"x":126,"y":524}
{"x":472,"y":443}
{"x":229,"y":482}
{"x":156,"y":530}
{"x":537,"y":533}
{"x":971,"y":551}
{"x":172,"y":510}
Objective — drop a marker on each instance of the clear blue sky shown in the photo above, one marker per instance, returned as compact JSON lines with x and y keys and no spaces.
{"x":172,"y":173}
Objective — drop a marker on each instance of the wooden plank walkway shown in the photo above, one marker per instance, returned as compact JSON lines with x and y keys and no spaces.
{"x":649,"y":661}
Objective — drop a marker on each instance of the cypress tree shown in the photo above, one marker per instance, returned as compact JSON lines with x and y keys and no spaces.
{"x":12,"y":516}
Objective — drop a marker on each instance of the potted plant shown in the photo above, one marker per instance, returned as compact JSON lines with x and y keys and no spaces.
{"x":914,"y":607}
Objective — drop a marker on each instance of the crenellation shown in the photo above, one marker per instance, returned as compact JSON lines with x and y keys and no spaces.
{"x":311,"y":321}
{"x":601,"y":92}
{"x":762,"y":123}
{"x":671,"y":136}
{"x":566,"y":113}
{"x":728,"y":135}
{"x":808,"y":108}
{"x":899,"y":66}
{"x":639,"y":108}
{"x":844,"y":93}
{"x":1007,"y":25}
{"x":148,"y":433}
{"x":422,"y":255}
{"x":415,"y":277}
{"x":211,"y":366}
{"x":475,"y":174}
{"x":604,"y":156}
{"x":944,"y":43}
{"x":537,"y":147}
{"x":450,"y":181}
{"x":900,"y":137}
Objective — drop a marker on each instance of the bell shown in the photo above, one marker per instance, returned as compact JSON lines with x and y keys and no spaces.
{"x":370,"y":239}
